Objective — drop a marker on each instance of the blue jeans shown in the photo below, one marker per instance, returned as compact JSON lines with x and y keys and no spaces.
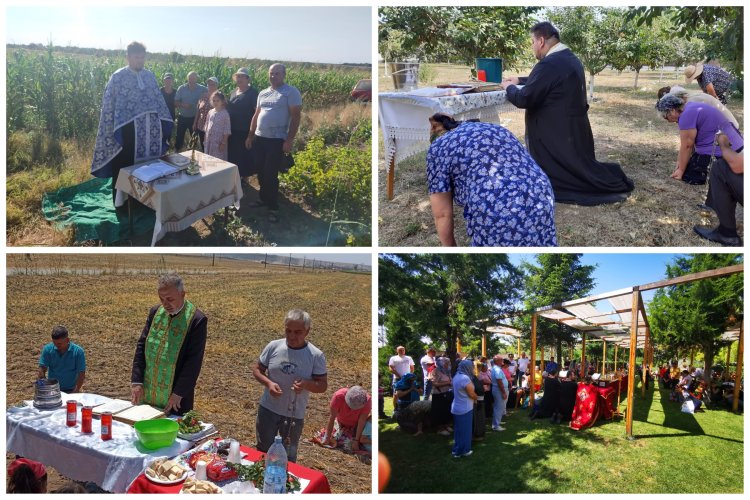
{"x":427,"y":389}
{"x":462,"y":432}
{"x":498,"y":406}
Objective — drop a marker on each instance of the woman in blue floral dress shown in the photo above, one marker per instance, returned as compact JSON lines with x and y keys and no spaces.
{"x":507,"y":198}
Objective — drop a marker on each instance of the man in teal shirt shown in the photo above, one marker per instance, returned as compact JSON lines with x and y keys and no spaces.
{"x":65,"y":360}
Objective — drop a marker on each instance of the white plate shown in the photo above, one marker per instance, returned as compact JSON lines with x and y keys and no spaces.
{"x":166,"y":481}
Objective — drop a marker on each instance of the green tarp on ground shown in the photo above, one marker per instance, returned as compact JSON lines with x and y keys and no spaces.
{"x":88,"y":208}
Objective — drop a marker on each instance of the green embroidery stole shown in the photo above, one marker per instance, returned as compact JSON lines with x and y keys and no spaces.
{"x":163,"y":344}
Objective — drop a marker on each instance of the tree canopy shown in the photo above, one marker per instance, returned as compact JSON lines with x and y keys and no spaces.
{"x":555,"y":278}
{"x":696,"y":314}
{"x":445,"y":297}
{"x":457,"y":34}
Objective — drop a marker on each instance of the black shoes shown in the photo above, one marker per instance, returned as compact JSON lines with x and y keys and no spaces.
{"x":714,"y":235}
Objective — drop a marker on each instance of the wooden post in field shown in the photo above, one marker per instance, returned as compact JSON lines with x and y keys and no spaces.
{"x":615,"y":358}
{"x":265,"y":262}
{"x":738,"y":373}
{"x":645,"y":364}
{"x":584,"y":372}
{"x":631,"y":362}
{"x":532,"y":383}
{"x":519,"y":347}
{"x":604,"y":357}
{"x":391,"y":178}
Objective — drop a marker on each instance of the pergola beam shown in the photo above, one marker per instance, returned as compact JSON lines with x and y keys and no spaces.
{"x":712,"y":273}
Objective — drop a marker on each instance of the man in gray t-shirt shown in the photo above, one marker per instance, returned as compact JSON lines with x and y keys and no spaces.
{"x":272,"y":131}
{"x":290,"y":369}
{"x":186,"y":102}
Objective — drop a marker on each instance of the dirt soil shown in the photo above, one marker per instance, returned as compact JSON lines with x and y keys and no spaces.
{"x":659,"y":212}
{"x":245,"y":306}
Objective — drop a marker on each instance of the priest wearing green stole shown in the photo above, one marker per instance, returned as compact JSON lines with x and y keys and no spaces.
{"x":169,"y":353}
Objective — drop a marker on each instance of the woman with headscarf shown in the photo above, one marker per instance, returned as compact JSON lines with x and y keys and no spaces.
{"x":482,"y":385}
{"x":699,"y":124}
{"x":26,"y":476}
{"x":507,"y":198}
{"x":406,"y":391}
{"x":348,"y":415}
{"x":462,"y":408}
{"x":241,"y":109}
{"x":442,"y":395}
{"x":700,"y":97}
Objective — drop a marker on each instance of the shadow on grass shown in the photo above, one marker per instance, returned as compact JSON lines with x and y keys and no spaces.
{"x":516,"y":458}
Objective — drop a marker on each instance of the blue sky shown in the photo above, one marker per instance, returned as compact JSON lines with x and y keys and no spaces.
{"x":305,"y":34}
{"x":620,"y":270}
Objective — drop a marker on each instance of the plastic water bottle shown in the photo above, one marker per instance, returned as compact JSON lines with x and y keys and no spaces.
{"x":274,"y":477}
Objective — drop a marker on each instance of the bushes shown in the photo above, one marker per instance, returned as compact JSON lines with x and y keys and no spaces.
{"x":321,"y":172}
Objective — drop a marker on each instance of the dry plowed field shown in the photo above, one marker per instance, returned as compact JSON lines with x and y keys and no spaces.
{"x":245,"y":306}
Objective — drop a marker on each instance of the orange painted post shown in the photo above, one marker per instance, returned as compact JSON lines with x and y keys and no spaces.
{"x":738,"y":373}
{"x":631,"y":363}
{"x":532,"y":382}
{"x":583,"y":355}
{"x":484,"y":345}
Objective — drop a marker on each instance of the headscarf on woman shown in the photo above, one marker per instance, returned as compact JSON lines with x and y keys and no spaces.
{"x":404,"y":382}
{"x":466,"y":367}
{"x":443,"y":365}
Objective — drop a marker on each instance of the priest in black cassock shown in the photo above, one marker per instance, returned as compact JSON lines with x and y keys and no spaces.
{"x":558,"y":132}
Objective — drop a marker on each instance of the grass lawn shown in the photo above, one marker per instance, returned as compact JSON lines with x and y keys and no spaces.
{"x":673,"y":452}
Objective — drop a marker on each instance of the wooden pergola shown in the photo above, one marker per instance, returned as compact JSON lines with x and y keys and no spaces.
{"x":625,"y":326}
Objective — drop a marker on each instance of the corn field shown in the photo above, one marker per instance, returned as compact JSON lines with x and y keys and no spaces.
{"x":61,"y":93}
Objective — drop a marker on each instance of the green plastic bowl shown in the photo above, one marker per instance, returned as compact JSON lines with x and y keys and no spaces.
{"x":157,"y":433}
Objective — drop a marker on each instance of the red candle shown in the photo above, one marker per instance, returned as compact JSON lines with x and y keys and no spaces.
{"x":72,"y":414}
{"x":86,"y":418}
{"x":106,"y":426}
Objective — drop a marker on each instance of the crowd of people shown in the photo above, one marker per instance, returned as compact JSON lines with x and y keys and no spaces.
{"x":167,"y":364}
{"x":688,"y":386}
{"x":253,"y":130}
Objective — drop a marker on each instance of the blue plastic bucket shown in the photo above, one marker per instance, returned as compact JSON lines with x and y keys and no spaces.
{"x":493,"y":68}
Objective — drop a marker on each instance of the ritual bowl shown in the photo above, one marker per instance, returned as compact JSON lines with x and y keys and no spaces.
{"x":157,"y":433}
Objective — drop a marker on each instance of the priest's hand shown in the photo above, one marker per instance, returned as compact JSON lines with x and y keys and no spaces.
{"x":677,"y":174}
{"x":136,"y":394}
{"x":509,"y":81}
{"x":173,"y":404}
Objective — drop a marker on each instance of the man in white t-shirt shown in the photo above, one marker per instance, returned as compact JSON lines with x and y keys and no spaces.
{"x":428,"y":364}
{"x":400,"y":365}
{"x":523,"y":365}
{"x":513,"y":368}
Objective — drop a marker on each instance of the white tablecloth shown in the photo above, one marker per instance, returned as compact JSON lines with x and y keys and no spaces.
{"x":44,"y":437}
{"x":184,"y":199}
{"x":403,"y":117}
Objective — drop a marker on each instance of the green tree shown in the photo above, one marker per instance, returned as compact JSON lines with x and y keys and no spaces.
{"x":721,"y":29}
{"x":588,"y":33}
{"x":457,"y":34}
{"x":697,"y":313}
{"x":555,"y":278}
{"x":640,"y":46}
{"x":445,"y":297}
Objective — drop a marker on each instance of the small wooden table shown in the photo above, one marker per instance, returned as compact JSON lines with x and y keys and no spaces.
{"x":181,"y":200}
